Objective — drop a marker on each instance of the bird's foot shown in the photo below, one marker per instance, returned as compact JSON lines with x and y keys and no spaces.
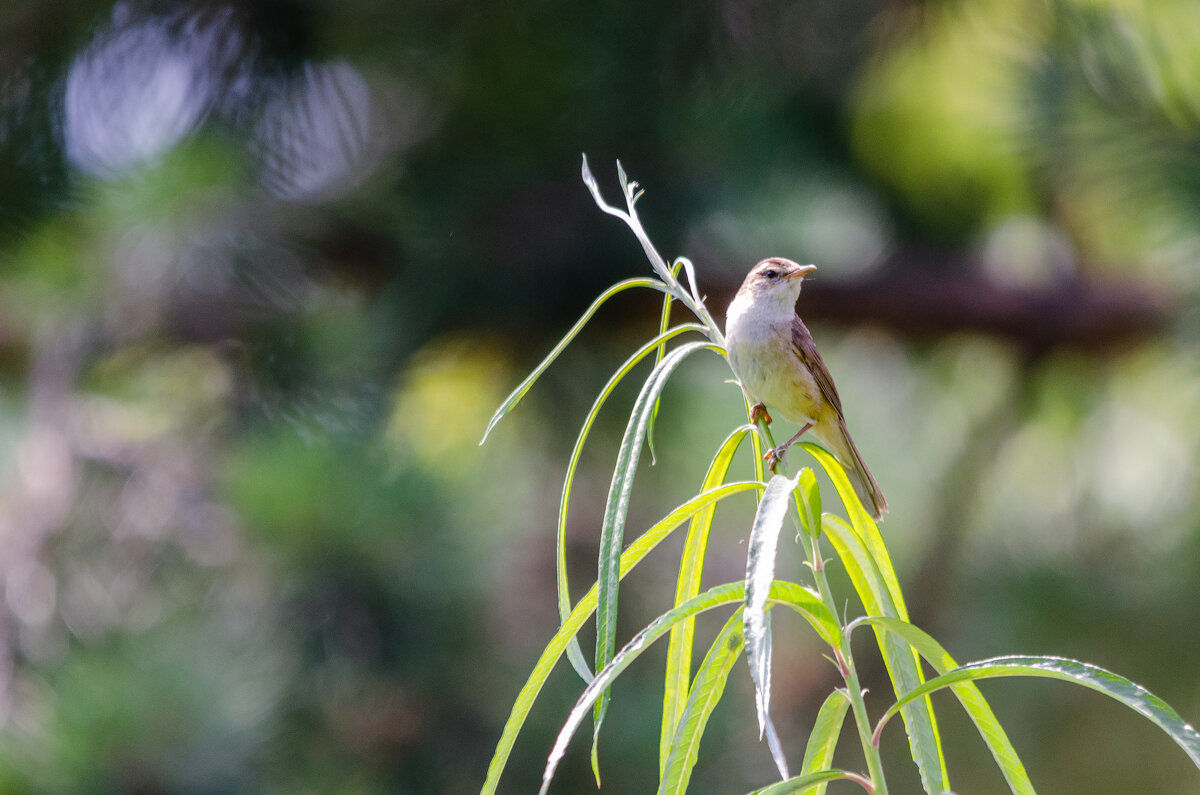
{"x":775,"y":455}
{"x":759,"y":411}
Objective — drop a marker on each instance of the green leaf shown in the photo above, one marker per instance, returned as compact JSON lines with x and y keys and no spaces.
{"x":809,"y":503}
{"x":582,"y":611}
{"x":841,"y":483}
{"x":760,"y":572}
{"x":1132,"y":695}
{"x":574,"y":653}
{"x":595,"y":690}
{"x":903,"y":664}
{"x":810,"y":781}
{"x":687,"y":585}
{"x":866,"y":558}
{"x":969,"y":696}
{"x":714,"y":597}
{"x":706,"y":692}
{"x":664,"y":323}
{"x":822,"y":741}
{"x":864,"y":526}
{"x":517,"y":394}
{"x":809,"y":605}
{"x":612,"y":532}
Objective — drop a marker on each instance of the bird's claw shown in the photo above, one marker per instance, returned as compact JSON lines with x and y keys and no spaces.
{"x":772,"y":457}
{"x":759,"y":411}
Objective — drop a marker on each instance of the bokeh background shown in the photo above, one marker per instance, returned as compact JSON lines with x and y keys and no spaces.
{"x":267,"y":267}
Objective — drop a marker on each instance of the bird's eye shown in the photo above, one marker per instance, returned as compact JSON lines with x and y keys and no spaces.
{"x":772,"y":274}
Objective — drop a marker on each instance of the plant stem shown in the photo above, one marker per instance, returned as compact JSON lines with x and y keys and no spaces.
{"x":845,"y":659}
{"x":841,"y":651}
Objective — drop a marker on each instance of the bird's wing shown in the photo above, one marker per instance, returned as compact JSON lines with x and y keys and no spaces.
{"x":806,"y":349}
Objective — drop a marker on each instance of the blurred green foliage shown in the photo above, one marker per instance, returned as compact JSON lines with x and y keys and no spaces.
{"x":266,"y":269}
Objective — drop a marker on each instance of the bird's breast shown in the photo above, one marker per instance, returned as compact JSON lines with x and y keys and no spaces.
{"x":763,"y":359}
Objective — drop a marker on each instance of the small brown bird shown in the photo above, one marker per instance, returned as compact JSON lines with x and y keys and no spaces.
{"x":773,"y":355}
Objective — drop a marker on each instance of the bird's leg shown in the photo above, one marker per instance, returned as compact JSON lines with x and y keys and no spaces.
{"x":759,"y":411}
{"x":774,"y":456}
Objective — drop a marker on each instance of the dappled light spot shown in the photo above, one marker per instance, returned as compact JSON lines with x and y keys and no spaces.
{"x":444,"y":402}
{"x":138,"y":90}
{"x":315,"y":138}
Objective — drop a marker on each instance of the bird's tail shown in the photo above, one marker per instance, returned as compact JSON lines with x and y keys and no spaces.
{"x":861,"y":478}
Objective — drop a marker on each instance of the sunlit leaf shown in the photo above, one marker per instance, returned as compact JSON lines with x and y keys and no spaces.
{"x":714,"y":597}
{"x":968,"y":695}
{"x":866,"y":558}
{"x":706,"y":692}
{"x":822,"y":741}
{"x":902,"y":662}
{"x":583,"y":610}
{"x":808,"y":500}
{"x":612,"y":532}
{"x":1117,"y":687}
{"x":809,"y":782}
{"x":517,"y":394}
{"x":664,"y":322}
{"x":574,"y":653}
{"x":760,"y":572}
{"x":687,"y":585}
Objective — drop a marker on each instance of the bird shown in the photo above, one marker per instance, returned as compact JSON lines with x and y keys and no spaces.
{"x":773,"y":355}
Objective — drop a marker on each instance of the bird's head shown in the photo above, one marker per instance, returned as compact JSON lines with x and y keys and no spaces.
{"x":777,"y":280}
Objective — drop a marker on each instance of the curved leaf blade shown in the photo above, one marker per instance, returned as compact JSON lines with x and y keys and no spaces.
{"x":594,"y":692}
{"x":968,"y":695}
{"x":704,"y":696}
{"x":574,"y":653}
{"x":822,"y":741}
{"x":760,"y":572}
{"x":808,"y":501}
{"x":517,"y":394}
{"x":583,"y":610}
{"x":810,"y":781}
{"x":712,"y":598}
{"x":612,"y":532}
{"x":903,"y":664}
{"x":864,"y":526}
{"x":687,"y":585}
{"x":664,"y":323}
{"x":1117,"y":687}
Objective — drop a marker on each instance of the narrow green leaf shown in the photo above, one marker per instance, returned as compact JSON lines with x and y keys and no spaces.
{"x":595,"y":690}
{"x":877,"y":575}
{"x":760,"y":572}
{"x":583,"y":610}
{"x":664,"y":323}
{"x":687,"y":585}
{"x":841,"y":482}
{"x":517,"y":394}
{"x":714,"y":597}
{"x":808,"y":604}
{"x":809,"y":782}
{"x":864,"y":526}
{"x":808,"y":500}
{"x":574,"y":653}
{"x":612,"y":532}
{"x":902,"y":662}
{"x":704,"y":696}
{"x":1117,"y":687}
{"x":969,"y":696}
{"x":822,"y":741}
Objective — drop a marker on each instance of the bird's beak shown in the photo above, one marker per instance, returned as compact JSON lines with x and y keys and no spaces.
{"x":804,"y":271}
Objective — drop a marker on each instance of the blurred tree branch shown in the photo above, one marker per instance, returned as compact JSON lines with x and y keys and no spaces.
{"x":936,"y":294}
